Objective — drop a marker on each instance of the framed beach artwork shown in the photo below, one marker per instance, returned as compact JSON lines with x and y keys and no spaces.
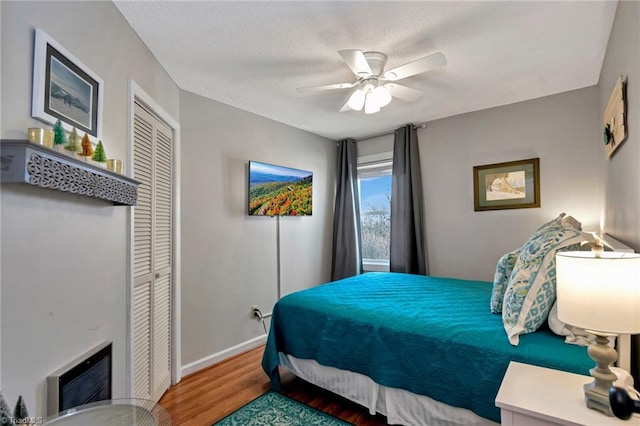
{"x":65,"y":89}
{"x":511,"y":185}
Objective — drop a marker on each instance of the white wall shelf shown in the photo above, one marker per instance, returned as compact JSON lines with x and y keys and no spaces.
{"x":25,"y":162}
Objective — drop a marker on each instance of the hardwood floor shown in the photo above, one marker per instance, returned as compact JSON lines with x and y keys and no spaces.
{"x":207,"y":396}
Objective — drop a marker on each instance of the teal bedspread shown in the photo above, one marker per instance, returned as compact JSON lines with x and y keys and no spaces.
{"x":431,"y":336}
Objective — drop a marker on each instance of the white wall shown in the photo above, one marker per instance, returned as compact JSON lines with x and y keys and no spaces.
{"x":621,"y":174}
{"x":376,"y":145}
{"x":621,"y":171}
{"x":562,"y":130}
{"x":64,"y":256}
{"x":228,"y":258}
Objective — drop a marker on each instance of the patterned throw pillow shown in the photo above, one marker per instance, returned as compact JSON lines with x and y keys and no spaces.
{"x":501,"y":279}
{"x":532,"y":286}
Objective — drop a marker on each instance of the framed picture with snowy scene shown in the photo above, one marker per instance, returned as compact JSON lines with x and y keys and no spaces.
{"x":65,"y":89}
{"x":511,"y":185}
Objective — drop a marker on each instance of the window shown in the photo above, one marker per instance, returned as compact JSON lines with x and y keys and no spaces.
{"x":374,"y":180}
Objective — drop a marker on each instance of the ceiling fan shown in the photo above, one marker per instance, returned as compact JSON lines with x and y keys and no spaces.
{"x":373,"y":92}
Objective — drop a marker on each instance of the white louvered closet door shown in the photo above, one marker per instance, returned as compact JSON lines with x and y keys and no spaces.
{"x":152,"y":263}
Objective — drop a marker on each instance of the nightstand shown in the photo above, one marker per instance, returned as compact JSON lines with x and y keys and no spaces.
{"x":536,"y":396}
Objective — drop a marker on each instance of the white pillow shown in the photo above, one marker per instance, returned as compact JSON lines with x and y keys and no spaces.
{"x":574,"y":335}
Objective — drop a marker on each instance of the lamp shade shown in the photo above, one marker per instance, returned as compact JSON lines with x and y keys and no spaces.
{"x":599,"y":291}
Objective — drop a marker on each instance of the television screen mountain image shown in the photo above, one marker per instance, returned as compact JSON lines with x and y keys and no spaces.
{"x":279,"y":191}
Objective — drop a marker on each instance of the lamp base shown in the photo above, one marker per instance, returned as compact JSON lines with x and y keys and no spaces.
{"x":596,"y":393}
{"x":596,"y":400}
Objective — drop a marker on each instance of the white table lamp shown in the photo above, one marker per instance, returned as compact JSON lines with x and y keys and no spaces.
{"x":599,"y":292}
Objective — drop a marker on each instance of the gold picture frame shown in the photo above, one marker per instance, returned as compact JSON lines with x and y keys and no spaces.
{"x":510,"y":185}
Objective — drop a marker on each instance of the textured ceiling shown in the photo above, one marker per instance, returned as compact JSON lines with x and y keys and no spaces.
{"x":253,"y":55}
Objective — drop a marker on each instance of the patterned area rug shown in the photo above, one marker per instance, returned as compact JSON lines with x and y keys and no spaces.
{"x":274,"y":409}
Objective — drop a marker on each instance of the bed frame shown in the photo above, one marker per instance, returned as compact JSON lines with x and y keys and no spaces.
{"x":403,"y":407}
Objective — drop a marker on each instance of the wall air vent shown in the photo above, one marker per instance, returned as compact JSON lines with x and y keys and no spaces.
{"x":86,"y":379}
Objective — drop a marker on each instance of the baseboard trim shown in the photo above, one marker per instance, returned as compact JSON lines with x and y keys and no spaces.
{"x":217,"y":357}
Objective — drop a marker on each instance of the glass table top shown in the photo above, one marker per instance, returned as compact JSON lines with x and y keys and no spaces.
{"x":114,"y":412}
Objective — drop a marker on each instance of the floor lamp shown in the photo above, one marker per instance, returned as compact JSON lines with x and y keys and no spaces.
{"x":600,"y":292}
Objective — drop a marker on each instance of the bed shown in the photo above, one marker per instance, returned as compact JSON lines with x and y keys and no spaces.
{"x":418,"y":349}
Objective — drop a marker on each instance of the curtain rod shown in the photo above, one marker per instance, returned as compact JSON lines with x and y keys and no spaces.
{"x":415,"y":126}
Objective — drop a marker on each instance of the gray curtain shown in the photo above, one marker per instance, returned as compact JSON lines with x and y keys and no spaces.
{"x":408,"y":248}
{"x":347,"y":257}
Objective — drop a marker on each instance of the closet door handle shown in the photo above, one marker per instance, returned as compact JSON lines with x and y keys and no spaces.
{"x":157,"y":275}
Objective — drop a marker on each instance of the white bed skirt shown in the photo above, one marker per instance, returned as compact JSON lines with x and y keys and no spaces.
{"x":400,"y":406}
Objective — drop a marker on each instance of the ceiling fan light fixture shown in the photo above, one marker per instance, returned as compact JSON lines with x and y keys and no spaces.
{"x":371,"y":105}
{"x":369,"y":69}
{"x":357,"y":99}
{"x":382,"y":96}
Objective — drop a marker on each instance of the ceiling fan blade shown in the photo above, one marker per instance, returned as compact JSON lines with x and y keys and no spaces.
{"x":356,"y":61}
{"x":326,"y":87}
{"x":418,"y":66}
{"x":345,"y":107}
{"x":403,"y":92}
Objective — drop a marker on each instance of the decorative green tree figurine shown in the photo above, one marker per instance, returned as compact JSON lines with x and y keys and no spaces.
{"x":87,"y":148}
{"x":73,"y":143}
{"x":6,"y":417}
{"x":59,"y":138}
{"x":21,"y":413}
{"x":99,"y":154}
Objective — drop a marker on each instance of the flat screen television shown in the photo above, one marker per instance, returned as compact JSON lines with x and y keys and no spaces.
{"x":279,"y":191}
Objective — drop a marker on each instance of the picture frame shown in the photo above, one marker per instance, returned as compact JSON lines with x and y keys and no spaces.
{"x":615,"y":118}
{"x":510,"y":185}
{"x":65,"y":89}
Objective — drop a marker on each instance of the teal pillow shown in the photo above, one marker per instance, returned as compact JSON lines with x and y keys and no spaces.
{"x":501,"y":279}
{"x":532,"y":286}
